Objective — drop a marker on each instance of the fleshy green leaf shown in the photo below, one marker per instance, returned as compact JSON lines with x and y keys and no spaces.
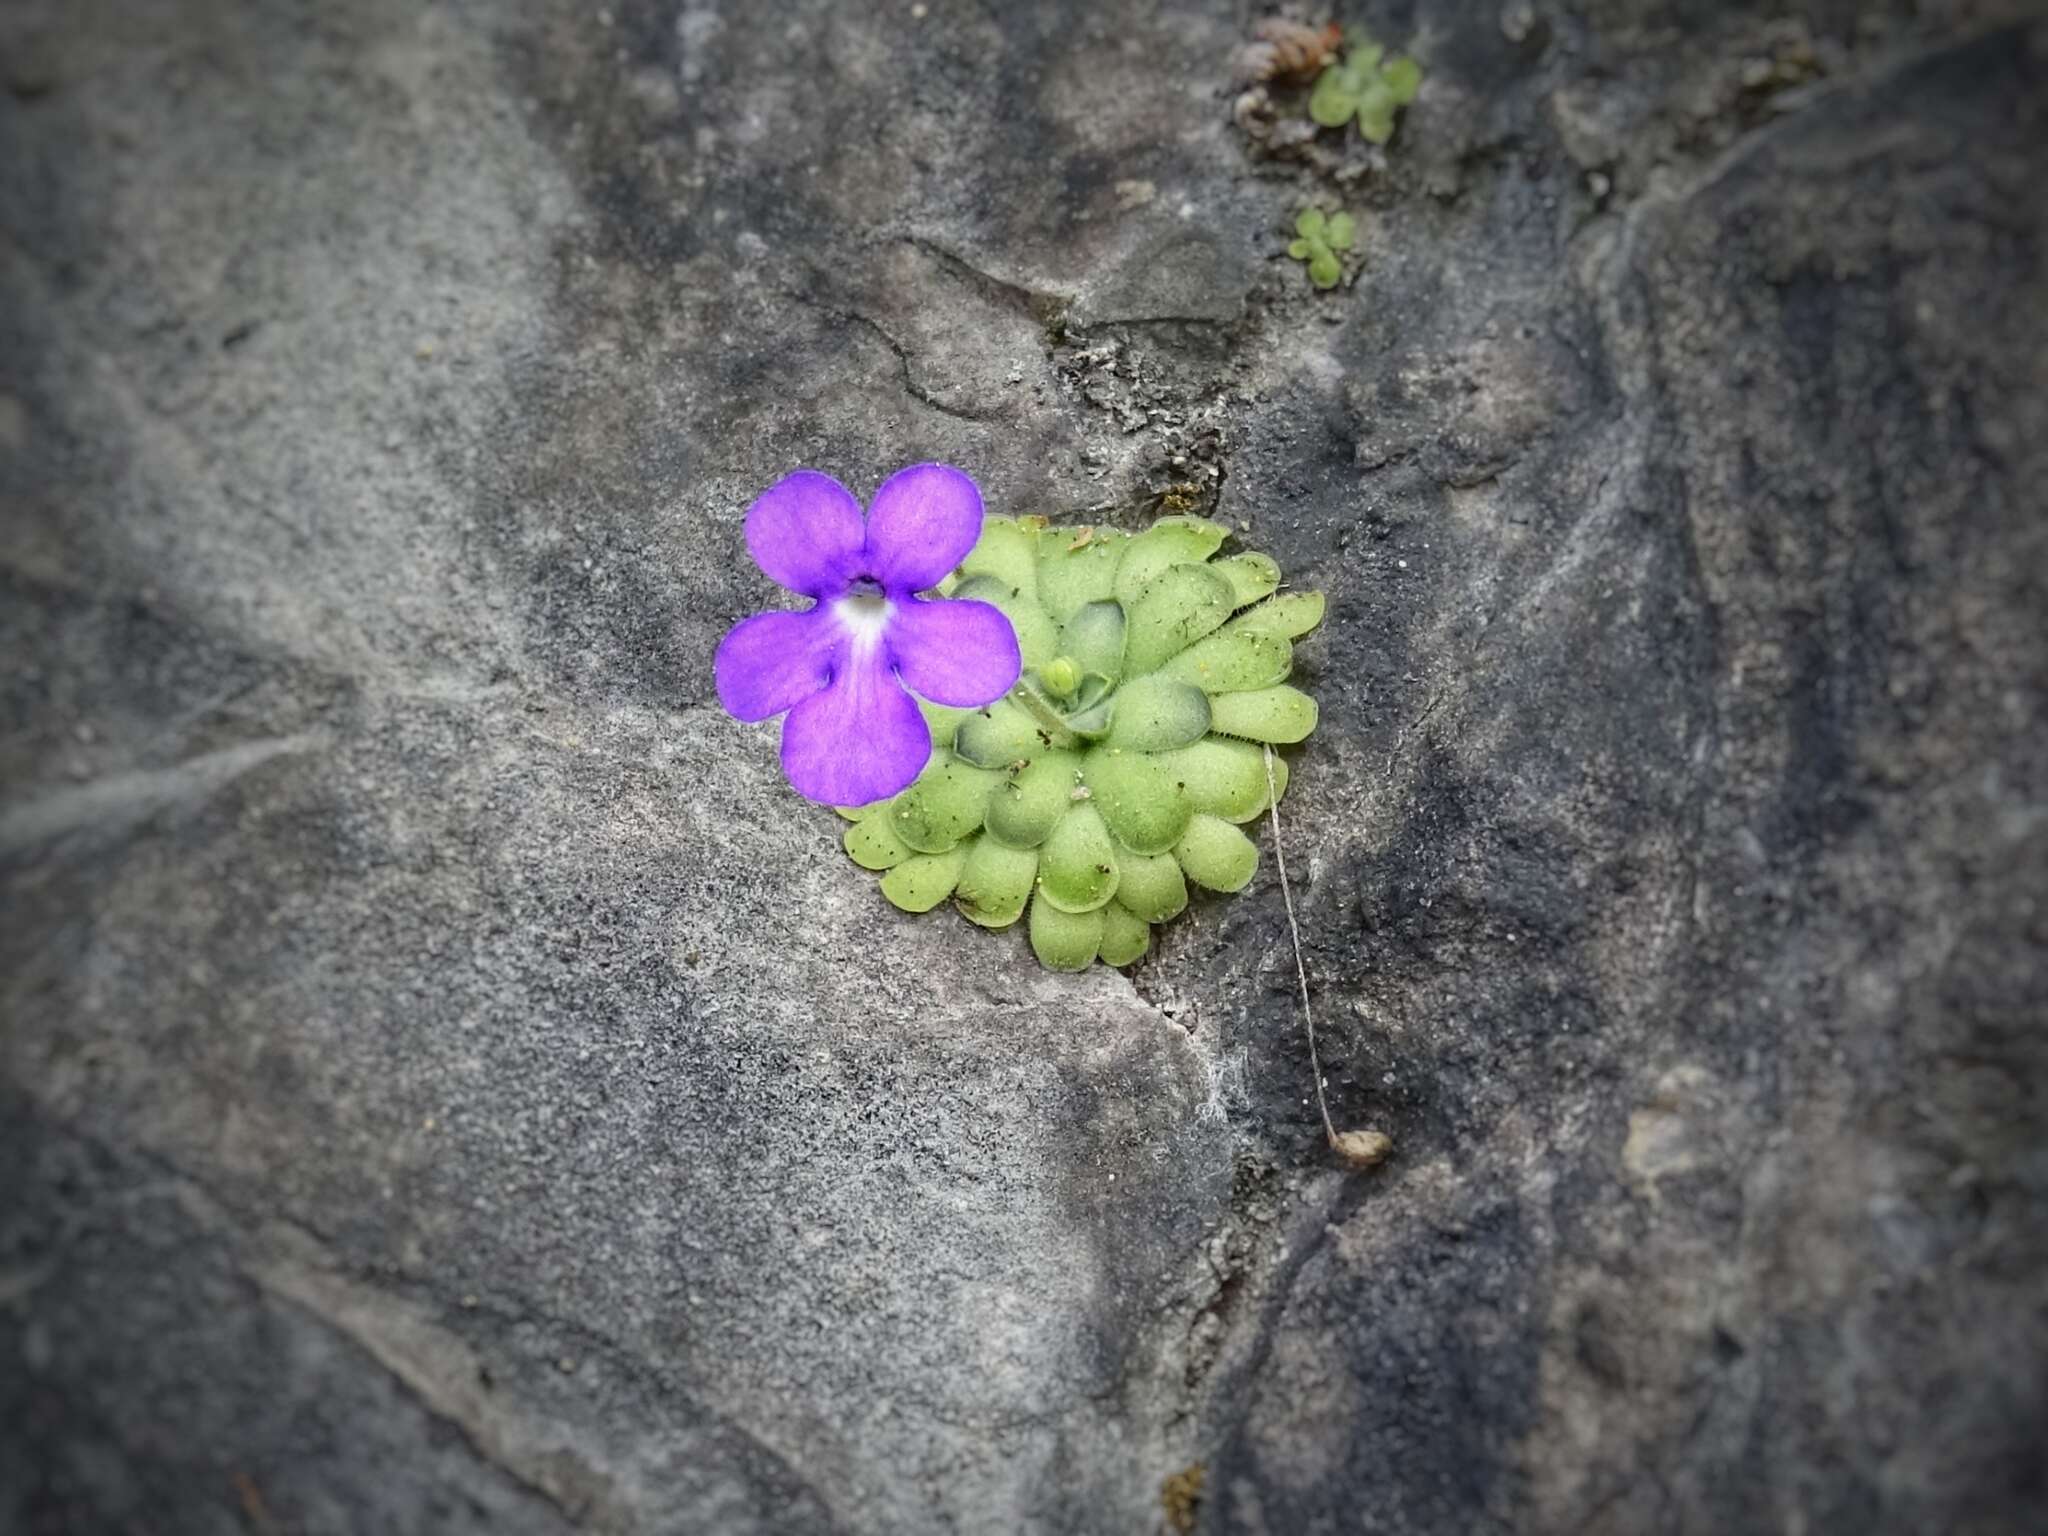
{"x":1094,"y":638}
{"x":1376,"y":109}
{"x":1077,"y":866}
{"x":1324,"y":270}
{"x":1138,"y":800}
{"x":1007,"y":553}
{"x":944,"y":804}
{"x":1251,"y":576}
{"x":1402,"y":78}
{"x":1038,"y":638}
{"x":995,"y":883}
{"x":1064,"y":941}
{"x":1232,"y":660}
{"x":1077,"y":566}
{"x":924,"y":880}
{"x":1023,"y":810}
{"x":1037,"y":635}
{"x":1292,"y":614}
{"x":1299,"y":250}
{"x":1151,"y":887}
{"x":1214,"y":853}
{"x":1092,"y":723}
{"x":1342,"y":229}
{"x":1093,"y":690}
{"x":873,"y":844}
{"x":1177,"y":608}
{"x":1309,"y":224}
{"x":1169,"y":542}
{"x":1154,"y":713}
{"x":1277,"y":715}
{"x":944,"y":722}
{"x":1125,"y":938}
{"x":1223,"y":778}
{"x":1333,"y":100}
{"x":1000,"y":735}
{"x":983,"y":588}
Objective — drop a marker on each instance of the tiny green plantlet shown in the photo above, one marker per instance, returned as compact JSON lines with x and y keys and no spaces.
{"x":1121,"y":767}
{"x":1319,"y":242}
{"x":1366,"y":85}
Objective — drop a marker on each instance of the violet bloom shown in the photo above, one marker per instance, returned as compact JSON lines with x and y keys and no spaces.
{"x":853,"y":734}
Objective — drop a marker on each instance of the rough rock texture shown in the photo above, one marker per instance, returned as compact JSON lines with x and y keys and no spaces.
{"x":447,"y":1084}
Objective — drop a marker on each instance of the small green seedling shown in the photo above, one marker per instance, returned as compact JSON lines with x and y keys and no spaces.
{"x":1318,"y":242}
{"x":1367,"y":85}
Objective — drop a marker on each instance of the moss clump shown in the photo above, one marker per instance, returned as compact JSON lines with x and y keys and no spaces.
{"x":1125,"y":762}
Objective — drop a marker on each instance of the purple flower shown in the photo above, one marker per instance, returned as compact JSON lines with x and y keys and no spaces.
{"x":853,"y":734}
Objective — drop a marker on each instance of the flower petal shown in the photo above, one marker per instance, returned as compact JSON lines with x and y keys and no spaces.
{"x":775,"y":661}
{"x":860,"y":740}
{"x":805,"y":532}
{"x":961,"y":653}
{"x":921,"y":524}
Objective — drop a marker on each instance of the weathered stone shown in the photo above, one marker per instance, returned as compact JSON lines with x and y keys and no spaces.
{"x":448,"y":1083}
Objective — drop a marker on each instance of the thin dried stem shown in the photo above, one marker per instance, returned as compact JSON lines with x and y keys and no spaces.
{"x":1047,"y":717}
{"x":1315,"y":1064}
{"x":1356,"y":1149}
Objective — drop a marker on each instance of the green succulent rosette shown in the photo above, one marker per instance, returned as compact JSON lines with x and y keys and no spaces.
{"x":1124,"y":764}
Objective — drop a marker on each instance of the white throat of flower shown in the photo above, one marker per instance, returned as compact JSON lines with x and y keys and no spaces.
{"x":865,"y":617}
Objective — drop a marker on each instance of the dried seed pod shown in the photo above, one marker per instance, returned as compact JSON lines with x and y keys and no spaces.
{"x":1362,"y":1149}
{"x":1288,"y":51}
{"x":1181,"y":1497}
{"x":1253,"y":112}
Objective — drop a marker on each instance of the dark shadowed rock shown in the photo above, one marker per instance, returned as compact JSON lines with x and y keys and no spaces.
{"x":450,"y":1085}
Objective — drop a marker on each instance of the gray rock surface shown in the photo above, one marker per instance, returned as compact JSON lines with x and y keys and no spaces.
{"x":448,"y":1084}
